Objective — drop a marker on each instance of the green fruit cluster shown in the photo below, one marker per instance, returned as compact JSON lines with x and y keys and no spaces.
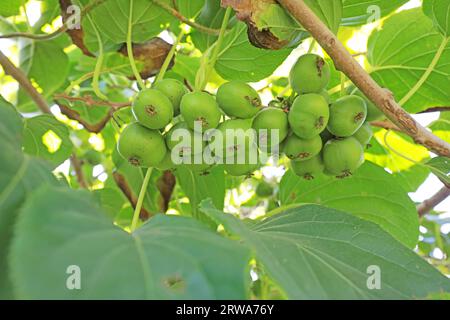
{"x":327,"y":137}
{"x":316,"y":134}
{"x":153,"y":139}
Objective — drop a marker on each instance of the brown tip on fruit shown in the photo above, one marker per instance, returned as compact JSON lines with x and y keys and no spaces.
{"x":151,"y":110}
{"x":359,"y":117}
{"x":253,"y":101}
{"x":319,"y":65}
{"x":203,"y":121}
{"x":308,"y":177}
{"x":303,"y":155}
{"x":134,"y":161}
{"x":345,"y":174}
{"x":320,"y":122}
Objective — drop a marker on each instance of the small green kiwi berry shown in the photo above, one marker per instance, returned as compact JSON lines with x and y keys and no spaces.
{"x":152,"y":109}
{"x":373,"y":113}
{"x":141,"y":146}
{"x":310,"y":74}
{"x":342,"y":157}
{"x":347,"y":115}
{"x":238,"y":100}
{"x":300,"y":149}
{"x":309,"y":115}
{"x":309,"y":169}
{"x":174,"y":90}
{"x":364,"y":134}
{"x":237,"y":135}
{"x":183,"y":140}
{"x":271,"y":126}
{"x":242,"y":164}
{"x":190,"y":162}
{"x":200,"y":107}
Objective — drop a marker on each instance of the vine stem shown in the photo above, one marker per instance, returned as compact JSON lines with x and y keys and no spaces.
{"x":169,"y":57}
{"x":346,"y":63}
{"x":209,"y":62}
{"x":218,"y":44}
{"x":343,"y":80}
{"x":99,"y":63}
{"x":311,"y":46}
{"x":140,"y":201}
{"x":130,"y":48}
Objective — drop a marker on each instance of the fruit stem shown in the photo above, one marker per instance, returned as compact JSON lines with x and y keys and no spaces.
{"x":130,"y":48}
{"x":99,"y":64}
{"x":343,"y":84}
{"x":140,"y":201}
{"x":169,"y":57}
{"x":312,"y":45}
{"x":208,"y":63}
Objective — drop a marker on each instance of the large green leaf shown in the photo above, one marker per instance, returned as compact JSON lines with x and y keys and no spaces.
{"x":329,"y":12}
{"x":370,"y":194}
{"x":185,"y":67}
{"x":441,"y":127}
{"x":439,"y":12}
{"x":167,"y":258}
{"x":357,"y":12}
{"x":211,"y":15}
{"x":410,"y":58}
{"x":46,"y":65}
{"x":239,"y":60}
{"x":10,"y":8}
{"x":47,"y":138}
{"x":440,"y":166}
{"x":111,"y":19}
{"x":313,"y":252}
{"x":189,"y":8}
{"x":20,"y":176}
{"x":284,"y":27}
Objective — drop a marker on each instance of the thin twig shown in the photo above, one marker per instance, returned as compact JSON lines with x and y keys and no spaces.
{"x":344,"y":62}
{"x":435,"y":109}
{"x":385,"y":125}
{"x":74,"y":115}
{"x":24,"y":82}
{"x":182,"y":18}
{"x":91,"y":102}
{"x":77,"y":166}
{"x":429,"y":204}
